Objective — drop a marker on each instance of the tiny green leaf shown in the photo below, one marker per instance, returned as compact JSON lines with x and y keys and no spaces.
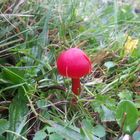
{"x":127,"y":116}
{"x":109,"y":64}
{"x":108,"y":115}
{"x":99,"y":131}
{"x":40,"y":135}
{"x":14,"y":76}
{"x":4,"y":124}
{"x":126,"y":95}
{"x":55,"y":136}
{"x":66,"y":132}
{"x":18,"y":111}
{"x":42,"y":104}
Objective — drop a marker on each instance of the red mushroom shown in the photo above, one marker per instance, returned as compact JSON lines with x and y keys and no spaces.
{"x":74,"y":63}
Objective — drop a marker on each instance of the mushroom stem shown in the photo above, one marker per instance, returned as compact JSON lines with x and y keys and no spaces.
{"x":76,"y":87}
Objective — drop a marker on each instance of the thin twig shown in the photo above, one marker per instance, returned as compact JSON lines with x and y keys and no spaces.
{"x":122,"y":125}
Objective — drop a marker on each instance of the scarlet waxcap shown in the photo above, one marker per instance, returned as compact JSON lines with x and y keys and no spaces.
{"x":73,"y":63}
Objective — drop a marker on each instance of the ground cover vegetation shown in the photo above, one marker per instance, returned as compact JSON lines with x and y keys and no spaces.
{"x":36,"y":102}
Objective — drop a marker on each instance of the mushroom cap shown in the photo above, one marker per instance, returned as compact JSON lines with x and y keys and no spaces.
{"x":73,"y":63}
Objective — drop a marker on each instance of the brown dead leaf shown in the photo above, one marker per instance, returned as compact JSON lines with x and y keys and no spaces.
{"x":137,"y":88}
{"x":102,"y":56}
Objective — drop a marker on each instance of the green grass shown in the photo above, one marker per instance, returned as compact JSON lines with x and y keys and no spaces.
{"x":33,"y":101}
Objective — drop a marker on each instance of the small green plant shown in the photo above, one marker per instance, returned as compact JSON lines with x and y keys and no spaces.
{"x":127,"y":116}
{"x":35,"y":101}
